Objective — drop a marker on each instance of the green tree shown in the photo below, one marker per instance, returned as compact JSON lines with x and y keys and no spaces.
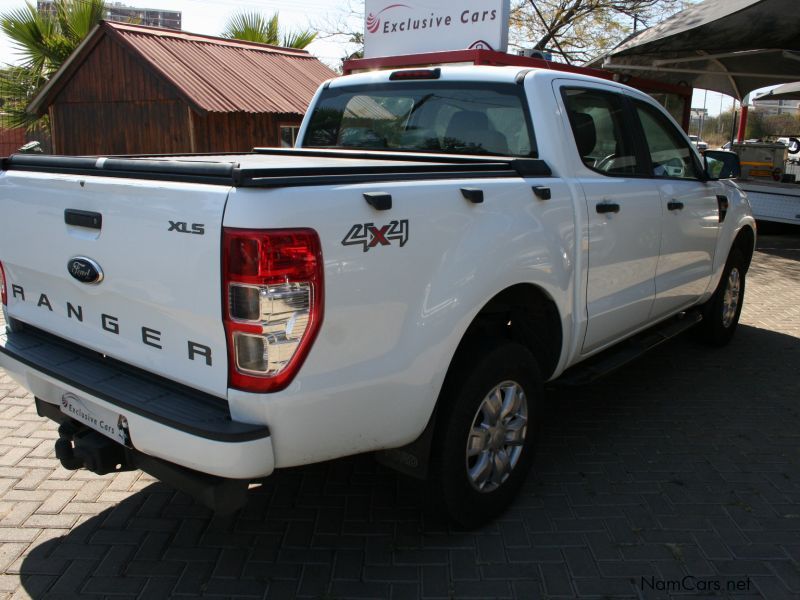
{"x":718,"y":129}
{"x":756,"y":125}
{"x":44,"y":40}
{"x":255,"y":27}
{"x":579,"y":30}
{"x":784,"y":124}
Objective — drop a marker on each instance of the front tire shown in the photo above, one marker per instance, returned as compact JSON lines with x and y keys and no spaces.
{"x":721,"y":313}
{"x":486,"y":432}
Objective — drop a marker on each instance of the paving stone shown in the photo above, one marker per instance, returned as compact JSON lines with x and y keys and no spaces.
{"x":436,"y":582}
{"x":404,"y":591}
{"x":156,"y":588}
{"x":556,"y":579}
{"x":360,"y":589}
{"x":315,"y":581}
{"x":482,"y":589}
{"x":580,"y":562}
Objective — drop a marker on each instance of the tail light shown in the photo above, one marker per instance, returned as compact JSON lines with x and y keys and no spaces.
{"x":273,"y":303}
{"x":3,"y":289}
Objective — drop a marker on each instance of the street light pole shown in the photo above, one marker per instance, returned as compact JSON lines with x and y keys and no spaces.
{"x":702,"y":116}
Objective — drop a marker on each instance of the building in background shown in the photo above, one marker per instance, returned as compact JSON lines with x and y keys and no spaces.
{"x":778,"y":107}
{"x":140,"y":90}
{"x":121,"y":13}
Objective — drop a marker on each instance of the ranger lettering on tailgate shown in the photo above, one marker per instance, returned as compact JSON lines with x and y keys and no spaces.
{"x":150,"y":337}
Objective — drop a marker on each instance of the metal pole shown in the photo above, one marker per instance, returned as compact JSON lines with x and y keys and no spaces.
{"x":742,"y":124}
{"x":702,"y":116}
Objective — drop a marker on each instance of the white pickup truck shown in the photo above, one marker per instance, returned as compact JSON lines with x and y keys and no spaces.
{"x":442,"y":243}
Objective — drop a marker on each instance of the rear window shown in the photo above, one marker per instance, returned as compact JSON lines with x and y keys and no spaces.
{"x":486,"y":119}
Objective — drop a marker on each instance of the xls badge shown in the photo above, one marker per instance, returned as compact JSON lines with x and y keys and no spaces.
{"x":369,"y":235}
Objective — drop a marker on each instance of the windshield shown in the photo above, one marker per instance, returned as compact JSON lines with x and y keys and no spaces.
{"x":424,"y":116}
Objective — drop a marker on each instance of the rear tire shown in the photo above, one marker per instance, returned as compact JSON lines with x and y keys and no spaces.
{"x":721,"y":312}
{"x":486,"y":431}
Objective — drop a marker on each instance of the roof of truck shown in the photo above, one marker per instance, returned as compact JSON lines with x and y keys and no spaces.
{"x":474,"y":73}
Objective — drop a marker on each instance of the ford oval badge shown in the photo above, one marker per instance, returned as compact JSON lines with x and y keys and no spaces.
{"x":85,"y":270}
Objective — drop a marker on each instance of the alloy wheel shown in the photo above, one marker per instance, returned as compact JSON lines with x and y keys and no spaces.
{"x":497,"y":436}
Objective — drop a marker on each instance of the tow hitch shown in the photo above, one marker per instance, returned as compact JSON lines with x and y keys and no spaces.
{"x":79,"y":447}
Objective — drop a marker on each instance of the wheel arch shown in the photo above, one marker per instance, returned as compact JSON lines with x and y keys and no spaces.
{"x":524,"y":313}
{"x":745,"y":242}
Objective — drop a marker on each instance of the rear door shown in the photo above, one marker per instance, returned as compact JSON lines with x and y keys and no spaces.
{"x":624,"y":212}
{"x":157,"y":246}
{"x":690,"y":210}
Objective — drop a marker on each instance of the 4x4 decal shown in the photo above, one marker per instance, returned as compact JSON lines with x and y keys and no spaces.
{"x":369,"y":235}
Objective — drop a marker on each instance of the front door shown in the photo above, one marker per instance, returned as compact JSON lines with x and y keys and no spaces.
{"x":690,"y":209}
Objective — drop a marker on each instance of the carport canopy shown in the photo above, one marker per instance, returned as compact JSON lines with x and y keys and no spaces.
{"x":787,"y":91}
{"x":728,"y":46}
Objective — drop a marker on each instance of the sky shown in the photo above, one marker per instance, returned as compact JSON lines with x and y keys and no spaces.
{"x":209,"y":17}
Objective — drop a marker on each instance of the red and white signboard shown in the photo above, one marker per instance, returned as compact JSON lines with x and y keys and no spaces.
{"x":414,"y":26}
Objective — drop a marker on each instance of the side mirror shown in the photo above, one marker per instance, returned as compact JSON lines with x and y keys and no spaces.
{"x":721,"y":164}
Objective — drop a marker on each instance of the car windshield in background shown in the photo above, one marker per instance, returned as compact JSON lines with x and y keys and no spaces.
{"x":458,"y":118}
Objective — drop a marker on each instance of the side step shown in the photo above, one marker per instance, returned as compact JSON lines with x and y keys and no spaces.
{"x":620,"y":355}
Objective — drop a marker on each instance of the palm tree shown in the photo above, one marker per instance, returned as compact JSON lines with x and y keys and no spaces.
{"x":45,"y":40}
{"x":255,"y":27}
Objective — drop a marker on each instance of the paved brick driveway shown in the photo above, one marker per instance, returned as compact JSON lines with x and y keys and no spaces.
{"x":686,"y":464}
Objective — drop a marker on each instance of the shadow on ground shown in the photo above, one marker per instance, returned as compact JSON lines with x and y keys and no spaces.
{"x":685,"y":463}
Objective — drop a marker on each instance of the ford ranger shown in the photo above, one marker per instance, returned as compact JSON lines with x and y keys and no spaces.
{"x":440,"y":244}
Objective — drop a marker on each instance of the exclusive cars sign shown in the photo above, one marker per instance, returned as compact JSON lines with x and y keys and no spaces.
{"x":415,"y":26}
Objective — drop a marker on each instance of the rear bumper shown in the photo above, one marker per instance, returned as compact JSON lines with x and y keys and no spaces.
{"x":165,"y":421}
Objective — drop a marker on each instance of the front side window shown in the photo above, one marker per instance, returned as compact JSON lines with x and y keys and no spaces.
{"x":484,"y":119}
{"x":603,"y":141}
{"x":670,"y":155}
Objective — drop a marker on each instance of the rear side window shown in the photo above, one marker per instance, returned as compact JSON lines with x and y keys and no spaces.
{"x":603,"y":141}
{"x":670,"y":155}
{"x":427,"y":116}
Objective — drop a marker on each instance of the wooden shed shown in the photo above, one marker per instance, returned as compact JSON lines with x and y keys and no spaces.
{"x":131,"y":89}
{"x":10,"y":140}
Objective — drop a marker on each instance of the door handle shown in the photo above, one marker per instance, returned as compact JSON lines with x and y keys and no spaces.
{"x":674,"y":205}
{"x":606,"y":207}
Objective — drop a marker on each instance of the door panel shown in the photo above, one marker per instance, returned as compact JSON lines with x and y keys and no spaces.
{"x":690,"y":214}
{"x":624,"y":214}
{"x":623,"y":254}
{"x":688,"y":241}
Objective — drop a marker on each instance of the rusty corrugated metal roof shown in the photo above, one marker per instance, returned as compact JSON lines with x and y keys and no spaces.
{"x":220,"y":75}
{"x":214,"y":74}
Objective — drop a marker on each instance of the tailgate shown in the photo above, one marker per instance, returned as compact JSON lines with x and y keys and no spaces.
{"x":157,"y":305}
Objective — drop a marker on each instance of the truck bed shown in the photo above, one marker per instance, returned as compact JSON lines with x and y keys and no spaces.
{"x":274,"y":167}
